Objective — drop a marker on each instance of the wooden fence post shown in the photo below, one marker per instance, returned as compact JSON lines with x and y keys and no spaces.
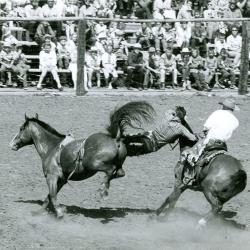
{"x":244,"y":59}
{"x":81,"y":40}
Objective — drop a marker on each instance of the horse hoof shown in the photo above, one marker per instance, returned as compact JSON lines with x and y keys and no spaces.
{"x":201,"y":224}
{"x":59,"y":213}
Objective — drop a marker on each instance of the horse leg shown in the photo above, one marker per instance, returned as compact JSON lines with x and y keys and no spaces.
{"x":216,"y":208}
{"x":109,"y":172}
{"x":179,"y":188}
{"x":46,"y":202}
{"x":55,"y":184}
{"x":171,"y":200}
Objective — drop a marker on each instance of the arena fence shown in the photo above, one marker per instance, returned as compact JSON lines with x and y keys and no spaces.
{"x":82,"y":24}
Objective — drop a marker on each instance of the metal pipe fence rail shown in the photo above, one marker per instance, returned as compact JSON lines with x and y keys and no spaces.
{"x":82,"y":23}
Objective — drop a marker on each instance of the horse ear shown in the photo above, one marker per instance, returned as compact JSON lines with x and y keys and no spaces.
{"x":26,"y":117}
{"x":36,"y":116}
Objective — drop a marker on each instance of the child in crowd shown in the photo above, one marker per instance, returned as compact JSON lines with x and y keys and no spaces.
{"x":7,"y":64}
{"x":20,"y":62}
{"x":63,"y":53}
{"x":226,"y":68}
{"x":183,"y":66}
{"x":48,"y":60}
{"x":210,"y":66}
{"x":93,"y":65}
{"x":109,"y":66}
{"x":197,"y":70}
{"x":169,"y":66}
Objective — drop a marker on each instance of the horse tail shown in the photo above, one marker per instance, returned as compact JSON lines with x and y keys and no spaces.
{"x":132,"y":114}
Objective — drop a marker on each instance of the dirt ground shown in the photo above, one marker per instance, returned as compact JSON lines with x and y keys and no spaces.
{"x":122,"y":221}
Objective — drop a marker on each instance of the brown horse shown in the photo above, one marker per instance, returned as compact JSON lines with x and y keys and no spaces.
{"x":222,"y":179}
{"x":80,"y":159}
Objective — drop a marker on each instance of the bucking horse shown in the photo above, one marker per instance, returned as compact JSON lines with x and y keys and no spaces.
{"x":75,"y":160}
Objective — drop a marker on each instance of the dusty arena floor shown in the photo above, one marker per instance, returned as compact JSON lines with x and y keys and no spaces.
{"x":122,"y":221}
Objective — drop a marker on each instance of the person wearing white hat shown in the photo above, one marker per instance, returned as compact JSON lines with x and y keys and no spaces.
{"x":218,"y":129}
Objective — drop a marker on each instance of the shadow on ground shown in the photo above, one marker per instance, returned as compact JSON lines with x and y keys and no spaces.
{"x":107,"y":214}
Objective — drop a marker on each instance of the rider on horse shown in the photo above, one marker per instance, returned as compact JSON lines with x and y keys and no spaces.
{"x":167,"y":131}
{"x":218,"y":129}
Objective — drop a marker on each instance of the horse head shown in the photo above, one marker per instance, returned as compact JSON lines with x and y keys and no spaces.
{"x":23,"y":137}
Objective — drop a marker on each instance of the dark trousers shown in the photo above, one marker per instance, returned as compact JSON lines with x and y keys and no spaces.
{"x":135,"y":77}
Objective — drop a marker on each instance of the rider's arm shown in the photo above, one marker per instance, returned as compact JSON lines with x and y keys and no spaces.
{"x":188,"y":135}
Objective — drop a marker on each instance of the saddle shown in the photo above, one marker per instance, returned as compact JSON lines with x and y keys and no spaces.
{"x":200,"y":169}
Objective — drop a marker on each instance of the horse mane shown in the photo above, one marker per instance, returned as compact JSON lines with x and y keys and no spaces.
{"x":47,"y":127}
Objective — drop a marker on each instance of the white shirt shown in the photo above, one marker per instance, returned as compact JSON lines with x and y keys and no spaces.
{"x":234,"y":43}
{"x":220,"y":125}
{"x":109,"y":60}
{"x":47,"y":59}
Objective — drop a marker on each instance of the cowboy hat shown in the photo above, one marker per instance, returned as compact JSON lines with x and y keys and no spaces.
{"x":229,"y":104}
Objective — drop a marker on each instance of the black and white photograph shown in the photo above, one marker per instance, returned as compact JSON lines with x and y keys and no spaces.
{"x":125,"y":124}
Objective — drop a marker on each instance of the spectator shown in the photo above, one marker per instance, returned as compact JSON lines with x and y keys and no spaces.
{"x":245,"y":7}
{"x":185,"y":11}
{"x":135,"y":68}
{"x":47,"y":40}
{"x":233,"y":12}
{"x":226,"y":68}
{"x":211,"y":26}
{"x":9,"y":38}
{"x":152,"y":67}
{"x":169,"y":34}
{"x":47,"y":63}
{"x":93,"y":66}
{"x":51,"y":10}
{"x":199,"y":38}
{"x":183,"y":34}
{"x":88,"y":9}
{"x":210,"y":66}
{"x":183,"y":66}
{"x":43,"y":29}
{"x":32,"y":10}
{"x":125,"y":7}
{"x":164,"y":7}
{"x":142,"y":10}
{"x":109,"y":61}
{"x":20,"y":62}
{"x":220,"y":42}
{"x":234,"y":43}
{"x":169,"y":67}
{"x":101,"y":44}
{"x":70,"y":28}
{"x":100,"y":30}
{"x":144,"y":34}
{"x":158,"y":33}
{"x":70,"y":9}
{"x":73,"y":64}
{"x":7,"y":64}
{"x":197,"y":70}
{"x":63,"y":53}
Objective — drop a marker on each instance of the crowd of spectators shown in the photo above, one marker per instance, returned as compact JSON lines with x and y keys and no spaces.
{"x":156,"y":55}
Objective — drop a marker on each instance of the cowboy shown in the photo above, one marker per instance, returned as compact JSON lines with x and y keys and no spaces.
{"x":167,"y":131}
{"x":218,"y":129}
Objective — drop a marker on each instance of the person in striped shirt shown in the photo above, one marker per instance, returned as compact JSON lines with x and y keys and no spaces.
{"x":167,"y":131}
